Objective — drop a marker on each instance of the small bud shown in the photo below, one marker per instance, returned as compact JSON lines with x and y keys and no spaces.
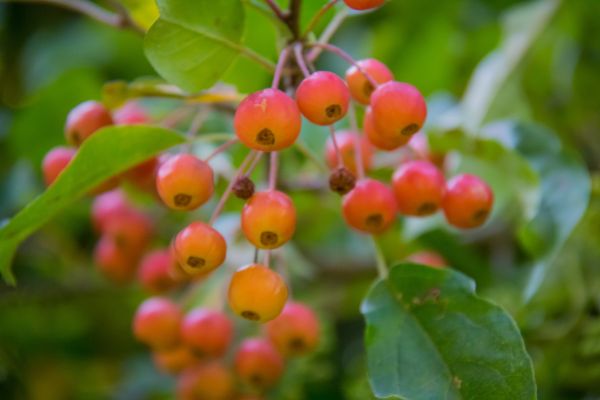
{"x":342,"y":180}
{"x":243,"y":188}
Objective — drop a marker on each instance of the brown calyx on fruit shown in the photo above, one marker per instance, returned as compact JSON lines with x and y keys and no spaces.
{"x":426,"y":208}
{"x":195,"y":262}
{"x":266,"y":137}
{"x":251,"y":315}
{"x":410,"y":129}
{"x":333,"y":111}
{"x":182,"y":199}
{"x":374,"y":221}
{"x":342,"y":180}
{"x":269,"y":238}
{"x":243,"y":188}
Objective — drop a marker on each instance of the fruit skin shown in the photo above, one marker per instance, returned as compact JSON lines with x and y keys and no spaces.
{"x":258,"y":364}
{"x":184,"y":182}
{"x":199,"y":249}
{"x":468,"y":201}
{"x":115,"y":263}
{"x":208,"y":333}
{"x":157,"y":322}
{"x":84,"y":120}
{"x":267,"y":120}
{"x":378,"y":139}
{"x":174,"y":360}
{"x":208,"y":381}
{"x":295,"y":331}
{"x":360,"y":87}
{"x":346,"y":141}
{"x":257,"y":293}
{"x":323,"y":98}
{"x":398,"y":109}
{"x":419,"y":188}
{"x":55,"y":161}
{"x":363,"y":4}
{"x":269,"y":219}
{"x":155,"y":272}
{"x":420,"y":147}
{"x":131,"y":231}
{"x":108,"y":207}
{"x":429,"y":258}
{"x":131,"y":113}
{"x":370,"y":207}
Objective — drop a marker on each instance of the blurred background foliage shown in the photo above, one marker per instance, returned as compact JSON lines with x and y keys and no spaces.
{"x":65,"y":332}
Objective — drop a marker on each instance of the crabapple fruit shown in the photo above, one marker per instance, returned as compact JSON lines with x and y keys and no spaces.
{"x":184,"y":182}
{"x":468,"y":201}
{"x":207,"y":332}
{"x":419,"y":188}
{"x":199,"y":248}
{"x":295,"y":331}
{"x":258,"y":363}
{"x":269,"y":219}
{"x":323,"y":98}
{"x":360,"y":87}
{"x":157,"y":323}
{"x":55,"y":161}
{"x":370,"y":207}
{"x":84,"y":120}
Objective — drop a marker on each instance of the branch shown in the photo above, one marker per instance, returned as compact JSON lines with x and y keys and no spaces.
{"x":120,"y":20}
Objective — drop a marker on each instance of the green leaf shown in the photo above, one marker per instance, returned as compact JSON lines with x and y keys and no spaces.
{"x":194,"y":42}
{"x":522,"y":26}
{"x":430,"y":337}
{"x":105,"y":154}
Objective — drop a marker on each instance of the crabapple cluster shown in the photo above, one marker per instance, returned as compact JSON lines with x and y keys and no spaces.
{"x":195,"y":342}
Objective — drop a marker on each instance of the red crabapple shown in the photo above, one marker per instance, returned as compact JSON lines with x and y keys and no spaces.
{"x":107,"y":207}
{"x":419,"y":188}
{"x":157,"y":322}
{"x":207,"y":332}
{"x":363,"y":4}
{"x":377,"y":138}
{"x":360,"y":87}
{"x":429,"y":258}
{"x":55,"y":161}
{"x":155,"y":271}
{"x":398,"y":109}
{"x":115,"y":263}
{"x":257,"y":293}
{"x":199,"y":248}
{"x":295,"y":331}
{"x":206,"y":381}
{"x":346,"y":142}
{"x":258,"y":364}
{"x":131,"y":231}
{"x":370,"y":207}
{"x":269,"y":219}
{"x":131,"y":113}
{"x":323,"y":98}
{"x":267,"y":120}
{"x":174,"y":360}
{"x":418,"y":143}
{"x":468,"y":201}
{"x":84,"y":120}
{"x":184,"y":182}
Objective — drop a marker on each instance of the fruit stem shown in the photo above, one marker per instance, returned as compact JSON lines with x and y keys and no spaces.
{"x":347,"y":57}
{"x":317,"y":17}
{"x":283,"y":56}
{"x":227,"y":192}
{"x":328,"y":33}
{"x":338,"y":154}
{"x":221,"y":148}
{"x":194,"y":127}
{"x":267,"y":258}
{"x":300,"y":59}
{"x":380,"y":263}
{"x":360,"y":165}
{"x":254,"y":164}
{"x":273,"y":164}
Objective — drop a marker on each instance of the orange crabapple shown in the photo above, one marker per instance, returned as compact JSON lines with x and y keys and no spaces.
{"x":131,"y":231}
{"x":258,"y":363}
{"x":363,"y":4}
{"x":184,"y":182}
{"x":199,"y":249}
{"x":269,"y":219}
{"x":267,"y":120}
{"x":377,"y":138}
{"x":429,"y":258}
{"x":206,"y":381}
{"x":174,"y":360}
{"x":55,"y":161}
{"x":398,"y":109}
{"x":323,"y":98}
{"x":419,"y":187}
{"x":346,"y":142}
{"x":360,"y":87}
{"x":207,"y":332}
{"x":370,"y":207}
{"x":155,"y":271}
{"x":157,"y":323}
{"x":257,"y":293}
{"x":114,"y":262}
{"x":84,"y":120}
{"x":295,"y":331}
{"x":468,"y":201}
{"x":107,"y":207}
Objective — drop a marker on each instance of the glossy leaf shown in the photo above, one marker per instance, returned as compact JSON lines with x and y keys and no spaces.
{"x":193,"y":43}
{"x":430,"y":337}
{"x":105,"y":154}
